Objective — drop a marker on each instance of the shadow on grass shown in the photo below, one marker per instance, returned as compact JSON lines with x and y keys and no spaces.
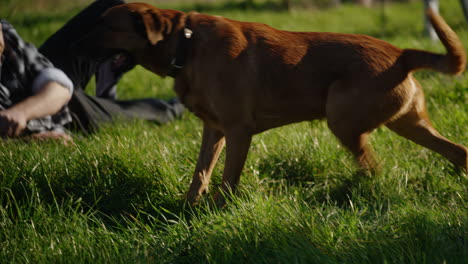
{"x":109,"y":185}
{"x":320,"y":182}
{"x":420,"y":236}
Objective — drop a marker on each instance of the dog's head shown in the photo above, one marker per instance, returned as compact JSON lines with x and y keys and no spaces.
{"x":130,"y":28}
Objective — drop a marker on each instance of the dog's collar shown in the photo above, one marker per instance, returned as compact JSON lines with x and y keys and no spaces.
{"x":183,"y":45}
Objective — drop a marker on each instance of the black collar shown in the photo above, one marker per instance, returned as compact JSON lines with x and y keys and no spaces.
{"x":183,"y":45}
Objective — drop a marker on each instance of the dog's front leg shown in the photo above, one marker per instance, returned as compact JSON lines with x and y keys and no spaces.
{"x":212,"y":144}
{"x":237,"y":146}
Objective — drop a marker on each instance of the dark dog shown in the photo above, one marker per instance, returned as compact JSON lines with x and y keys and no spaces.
{"x":244,"y":78}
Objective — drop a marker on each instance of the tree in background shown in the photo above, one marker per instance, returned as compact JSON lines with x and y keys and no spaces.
{"x":366,"y":3}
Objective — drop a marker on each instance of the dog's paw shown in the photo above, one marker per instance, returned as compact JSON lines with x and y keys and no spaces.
{"x":193,"y":198}
{"x":219,"y":200}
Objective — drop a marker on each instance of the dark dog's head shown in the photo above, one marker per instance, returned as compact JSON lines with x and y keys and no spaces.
{"x":129,"y":28}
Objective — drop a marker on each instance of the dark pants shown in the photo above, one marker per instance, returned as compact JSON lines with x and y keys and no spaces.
{"x":88,"y":112}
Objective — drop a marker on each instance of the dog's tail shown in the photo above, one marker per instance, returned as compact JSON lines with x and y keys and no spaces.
{"x":451,"y":63}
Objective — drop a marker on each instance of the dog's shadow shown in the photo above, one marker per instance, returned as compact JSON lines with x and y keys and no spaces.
{"x":316,"y":180}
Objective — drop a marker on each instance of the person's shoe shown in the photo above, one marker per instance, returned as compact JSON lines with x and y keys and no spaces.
{"x":177,"y":107}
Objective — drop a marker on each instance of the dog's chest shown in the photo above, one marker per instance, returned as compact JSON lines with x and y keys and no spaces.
{"x":197,"y":103}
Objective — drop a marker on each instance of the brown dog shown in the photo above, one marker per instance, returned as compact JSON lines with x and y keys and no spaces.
{"x":244,"y":78}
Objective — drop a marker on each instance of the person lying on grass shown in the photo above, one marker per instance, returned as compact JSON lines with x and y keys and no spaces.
{"x":89,"y":112}
{"x":34,"y":92}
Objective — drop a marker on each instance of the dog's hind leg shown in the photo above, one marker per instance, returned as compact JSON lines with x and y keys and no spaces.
{"x":357,"y":143}
{"x":211,"y":147}
{"x":416,"y":126}
{"x":351,"y":123}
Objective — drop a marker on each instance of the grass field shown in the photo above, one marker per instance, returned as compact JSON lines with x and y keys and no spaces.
{"x":117,"y":196}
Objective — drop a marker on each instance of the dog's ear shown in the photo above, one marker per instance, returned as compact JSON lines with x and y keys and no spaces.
{"x":155,"y":25}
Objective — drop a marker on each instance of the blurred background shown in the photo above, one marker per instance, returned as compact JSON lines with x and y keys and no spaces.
{"x":278,"y":4}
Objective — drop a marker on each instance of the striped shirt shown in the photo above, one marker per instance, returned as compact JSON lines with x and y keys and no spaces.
{"x":23,"y":71}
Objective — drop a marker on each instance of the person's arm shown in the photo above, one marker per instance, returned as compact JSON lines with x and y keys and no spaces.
{"x":42,"y":89}
{"x":47,"y":101}
{"x":110,"y":72}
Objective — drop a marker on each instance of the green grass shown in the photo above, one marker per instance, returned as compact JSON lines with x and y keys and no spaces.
{"x":117,"y":196}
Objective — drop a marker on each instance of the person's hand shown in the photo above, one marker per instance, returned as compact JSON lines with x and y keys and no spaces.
{"x":12,"y":123}
{"x":60,"y":136}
